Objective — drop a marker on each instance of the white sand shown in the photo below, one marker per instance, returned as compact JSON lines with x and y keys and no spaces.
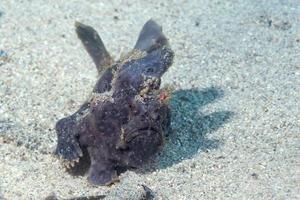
{"x":236,"y":126}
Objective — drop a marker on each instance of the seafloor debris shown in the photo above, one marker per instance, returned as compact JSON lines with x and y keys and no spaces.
{"x":122,"y":191}
{"x":121,"y":125}
{"x":54,"y":197}
{"x":4,"y":58}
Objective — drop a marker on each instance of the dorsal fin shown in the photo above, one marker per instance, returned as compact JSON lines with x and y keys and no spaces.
{"x":151,"y":37}
{"x":94,"y":46}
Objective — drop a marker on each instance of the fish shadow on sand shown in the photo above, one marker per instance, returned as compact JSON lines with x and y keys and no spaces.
{"x":190,"y":127}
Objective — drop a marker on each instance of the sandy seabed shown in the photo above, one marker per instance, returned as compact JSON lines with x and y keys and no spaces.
{"x":236,"y":104}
